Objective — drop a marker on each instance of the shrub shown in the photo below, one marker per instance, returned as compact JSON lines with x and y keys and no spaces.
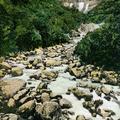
{"x":102,"y":47}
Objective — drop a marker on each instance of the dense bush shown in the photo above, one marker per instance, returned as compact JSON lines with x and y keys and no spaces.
{"x":25,"y":24}
{"x":104,"y":11}
{"x":102,"y":47}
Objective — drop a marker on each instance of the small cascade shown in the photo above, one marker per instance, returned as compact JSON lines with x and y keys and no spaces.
{"x":81,"y":5}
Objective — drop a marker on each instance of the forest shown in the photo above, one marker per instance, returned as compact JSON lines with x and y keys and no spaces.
{"x":28,"y":24}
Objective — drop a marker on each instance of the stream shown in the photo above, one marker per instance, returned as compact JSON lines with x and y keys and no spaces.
{"x":64,"y":79}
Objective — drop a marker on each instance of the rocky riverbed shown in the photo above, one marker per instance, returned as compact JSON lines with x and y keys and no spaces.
{"x":52,"y":84}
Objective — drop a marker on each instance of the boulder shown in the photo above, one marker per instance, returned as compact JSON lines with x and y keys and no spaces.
{"x":39,"y":108}
{"x":52,"y":54}
{"x":92,"y":106}
{"x":95,"y":75}
{"x":36,"y":61}
{"x":45,"y":97}
{"x":11,"y":87}
{"x":16,"y":71}
{"x":55,"y":95}
{"x":13,"y":116}
{"x":80,"y":117}
{"x":81,"y":94}
{"x":24,"y":99}
{"x":42,"y":86}
{"x":39,"y":51}
{"x":105,"y":90}
{"x":64,"y":103}
{"x":27,"y":107}
{"x":1,"y":74}
{"x":20,"y":94}
{"x":111,"y":77}
{"x":2,"y":59}
{"x":48,"y":74}
{"x":5,"y":65}
{"x":51,"y":110}
{"x":38,"y":111}
{"x":77,"y":71}
{"x":52,"y":62}
{"x":105,"y":112}
{"x":29,"y":66}
{"x":11,"y":102}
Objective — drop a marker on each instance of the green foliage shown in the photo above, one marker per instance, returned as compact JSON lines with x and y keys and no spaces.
{"x":104,"y":11}
{"x":26,"y":24}
{"x":102,"y":47}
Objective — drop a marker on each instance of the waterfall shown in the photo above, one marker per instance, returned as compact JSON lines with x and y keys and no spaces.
{"x":81,"y":5}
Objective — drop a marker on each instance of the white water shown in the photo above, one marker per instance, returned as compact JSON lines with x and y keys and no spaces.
{"x":64,"y":81}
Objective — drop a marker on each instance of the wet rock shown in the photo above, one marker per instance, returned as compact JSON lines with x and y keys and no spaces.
{"x":64,"y":103}
{"x":10,"y":87}
{"x":77,"y":71}
{"x":81,"y":94}
{"x":52,"y":54}
{"x":111,"y":77}
{"x":45,"y":97}
{"x":80,"y":117}
{"x":38,"y":98}
{"x":32,"y":94}
{"x":29,"y":66}
{"x":39,"y":51}
{"x":51,"y":110}
{"x":96,"y":76}
{"x":105,"y":90}
{"x":25,"y":99}
{"x":92,"y":106}
{"x":20,"y":94}
{"x":9,"y":116}
{"x":2,"y":74}
{"x":11,"y":102}
{"x":27,"y":107}
{"x":32,"y":53}
{"x":5,"y":118}
{"x":52,"y":62}
{"x":25,"y":62}
{"x":107,"y":97}
{"x":40,"y":65}
{"x":48,"y":74}
{"x":13,"y":117}
{"x":17,"y":71}
{"x":105,"y":112}
{"x":65,"y":61}
{"x":2,"y":59}
{"x":44,"y":90}
{"x":5,"y":65}
{"x":75,"y":33}
{"x":89,"y":68}
{"x":42,"y":86}
{"x":97,"y":103}
{"x":98,"y":91}
{"x":55,"y":96}
{"x":38,"y":110}
{"x":37,"y":77}
{"x":36,"y":61}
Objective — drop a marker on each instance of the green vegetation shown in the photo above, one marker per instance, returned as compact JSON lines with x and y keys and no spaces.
{"x":102,"y":47}
{"x":26,"y":24}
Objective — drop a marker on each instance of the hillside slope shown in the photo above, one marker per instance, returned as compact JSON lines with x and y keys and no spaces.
{"x":103,"y":46}
{"x":25,"y":24}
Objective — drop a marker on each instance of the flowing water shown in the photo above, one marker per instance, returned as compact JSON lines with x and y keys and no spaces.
{"x":65,"y":80}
